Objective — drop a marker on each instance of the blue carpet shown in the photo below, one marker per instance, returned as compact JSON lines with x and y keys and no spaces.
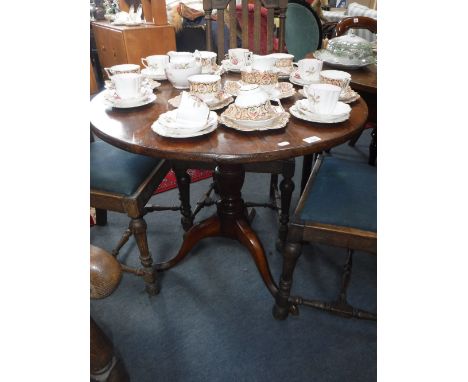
{"x":212,"y":320}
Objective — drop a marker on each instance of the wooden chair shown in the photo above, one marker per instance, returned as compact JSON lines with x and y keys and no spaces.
{"x":338,"y":208}
{"x":356,"y":22}
{"x":271,"y":6}
{"x":280,"y":199}
{"x":303,"y":29}
{"x":360,"y":22}
{"x":124,"y":182}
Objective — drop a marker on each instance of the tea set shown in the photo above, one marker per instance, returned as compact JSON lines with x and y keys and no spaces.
{"x":327,"y":92}
{"x":128,"y":88}
{"x":191,"y":119}
{"x":252,"y":110}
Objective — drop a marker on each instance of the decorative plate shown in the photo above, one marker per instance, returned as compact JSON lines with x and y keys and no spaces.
{"x":277,"y":122}
{"x":296,"y":79}
{"x":280,"y":90}
{"x":342,"y":112}
{"x":112,"y":99}
{"x":160,"y":127}
{"x":151,"y":74}
{"x":152,"y":84}
{"x":226,"y":100}
{"x":343,"y":62}
{"x":349,"y":97}
{"x":231,"y":68}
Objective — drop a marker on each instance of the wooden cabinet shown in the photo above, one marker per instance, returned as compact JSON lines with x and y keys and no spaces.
{"x":127,"y":45}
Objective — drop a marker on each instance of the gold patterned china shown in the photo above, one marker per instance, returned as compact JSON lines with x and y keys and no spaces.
{"x":220,"y":101}
{"x":205,"y":86}
{"x":253,"y":76}
{"x":280,"y":90}
{"x":337,"y":78}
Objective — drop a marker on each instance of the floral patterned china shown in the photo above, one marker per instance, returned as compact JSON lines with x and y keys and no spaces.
{"x":192,"y":118}
{"x":179,"y":73}
{"x":280,"y":90}
{"x":221,"y":100}
{"x":205,"y":86}
{"x":296,"y":79}
{"x":253,"y":76}
{"x":167,"y":126}
{"x":152,"y":84}
{"x":302,"y":111}
{"x":112,"y":99}
{"x":278,"y":120}
{"x":348,"y":96}
{"x":153,"y":74}
{"x":347,"y":51}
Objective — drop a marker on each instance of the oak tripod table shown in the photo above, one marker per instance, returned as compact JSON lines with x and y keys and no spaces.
{"x":130,"y":130}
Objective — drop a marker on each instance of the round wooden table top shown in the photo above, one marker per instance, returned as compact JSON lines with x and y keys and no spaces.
{"x":130,"y":129}
{"x":364,"y":79}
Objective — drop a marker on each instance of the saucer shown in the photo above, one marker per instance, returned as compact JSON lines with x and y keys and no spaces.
{"x":349,"y":96}
{"x":152,"y":84}
{"x":113,"y":100}
{"x":284,"y":74}
{"x":278,"y":121}
{"x":153,"y":75}
{"x":232,"y":68}
{"x":216,"y":104}
{"x":127,"y":23}
{"x":166,"y":126}
{"x":280,"y":90}
{"x":340,"y":114}
{"x":296,"y":79}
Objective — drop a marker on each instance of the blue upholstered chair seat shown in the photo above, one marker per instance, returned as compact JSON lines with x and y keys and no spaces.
{"x":118,"y":171}
{"x":344,"y":193}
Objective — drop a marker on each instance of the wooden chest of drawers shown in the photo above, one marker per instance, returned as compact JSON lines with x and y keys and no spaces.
{"x":127,"y":45}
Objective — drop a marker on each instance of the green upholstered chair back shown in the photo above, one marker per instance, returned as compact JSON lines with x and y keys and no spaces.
{"x":303,"y":31}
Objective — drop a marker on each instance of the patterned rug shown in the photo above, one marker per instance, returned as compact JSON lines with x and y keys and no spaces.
{"x":170,"y":181}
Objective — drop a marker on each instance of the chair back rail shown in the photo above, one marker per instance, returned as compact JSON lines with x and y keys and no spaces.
{"x":356,"y":22}
{"x":154,"y":11}
{"x":230,"y":6}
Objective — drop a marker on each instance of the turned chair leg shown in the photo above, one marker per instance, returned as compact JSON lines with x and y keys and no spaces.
{"x":138,"y":227}
{"x":286,"y":188}
{"x":273,"y":187}
{"x":373,"y":147}
{"x":291,"y":253}
{"x":101,"y":217}
{"x":183,"y":183}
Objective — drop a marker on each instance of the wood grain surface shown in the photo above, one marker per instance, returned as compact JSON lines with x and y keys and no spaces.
{"x":130,"y":129}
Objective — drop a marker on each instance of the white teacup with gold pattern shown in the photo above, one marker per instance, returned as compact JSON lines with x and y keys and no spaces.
{"x":157,"y":62}
{"x":205,"y":86}
{"x":336,"y":77}
{"x":252,"y":106}
{"x":322,"y":97}
{"x":127,"y":85}
{"x":207,"y":60}
{"x":258,"y":77}
{"x":309,"y":69}
{"x":123,"y":68}
{"x":284,"y":62}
